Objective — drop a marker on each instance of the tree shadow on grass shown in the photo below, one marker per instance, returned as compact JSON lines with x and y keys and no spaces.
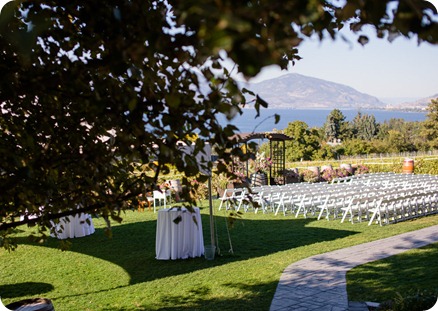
{"x":26,"y":288}
{"x":132,"y":246}
{"x":410,"y":274}
{"x":199,"y":299}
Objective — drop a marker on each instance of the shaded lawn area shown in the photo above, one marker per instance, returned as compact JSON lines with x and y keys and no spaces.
{"x":407,"y":274}
{"x":121,"y":273}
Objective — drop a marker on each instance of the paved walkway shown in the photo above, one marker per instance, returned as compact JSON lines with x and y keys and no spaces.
{"x":318,"y":282}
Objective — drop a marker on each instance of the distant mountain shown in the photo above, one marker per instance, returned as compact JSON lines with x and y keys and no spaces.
{"x":421,"y":103}
{"x":298,"y":91}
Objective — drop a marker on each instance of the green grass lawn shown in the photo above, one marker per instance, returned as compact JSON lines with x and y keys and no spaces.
{"x":121,"y":273}
{"x":409,"y":273}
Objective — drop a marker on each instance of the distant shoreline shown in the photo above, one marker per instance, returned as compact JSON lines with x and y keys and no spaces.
{"x":313,"y":117}
{"x":416,"y":110}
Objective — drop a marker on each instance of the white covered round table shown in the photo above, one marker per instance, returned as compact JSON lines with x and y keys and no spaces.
{"x":75,"y":226}
{"x":179,"y":240}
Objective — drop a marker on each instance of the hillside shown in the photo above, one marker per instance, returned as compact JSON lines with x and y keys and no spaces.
{"x":420,"y":104}
{"x":298,"y":91}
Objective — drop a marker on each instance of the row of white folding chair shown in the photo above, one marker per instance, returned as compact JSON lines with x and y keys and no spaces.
{"x":337,"y":198}
{"x":312,"y":199}
{"x":387,"y":209}
{"x":267,"y":196}
{"x":235,"y":197}
{"x":361,"y":177}
{"x":277,"y":199}
{"x":255,"y":197}
{"x":296,"y":195}
{"x":399,"y":178}
{"x":361,"y":204}
{"x":293,"y":198}
{"x":406,"y":206}
{"x":421,"y":203}
{"x":338,"y":201}
{"x":322,"y":197}
{"x":406,"y":186}
{"x":231,"y":197}
{"x":306,"y":202}
{"x":274,"y":196}
{"x":370,"y":178}
{"x":364,"y":201}
{"x":272,"y":199}
{"x":335,"y":202}
{"x":424,"y":203}
{"x":419,"y":180}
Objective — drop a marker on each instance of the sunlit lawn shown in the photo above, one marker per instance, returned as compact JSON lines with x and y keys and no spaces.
{"x":121,"y":273}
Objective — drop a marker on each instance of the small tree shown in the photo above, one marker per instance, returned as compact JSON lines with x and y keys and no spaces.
{"x":304,"y":144}
{"x":364,"y":126}
{"x":335,"y":126}
{"x":430,"y":125}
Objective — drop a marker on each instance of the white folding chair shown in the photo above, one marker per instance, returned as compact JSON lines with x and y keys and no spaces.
{"x":161,"y":196}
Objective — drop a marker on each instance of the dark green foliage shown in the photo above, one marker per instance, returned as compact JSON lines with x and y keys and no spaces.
{"x":417,"y":301}
{"x":364,"y":126}
{"x":304,"y":144}
{"x":362,"y":136}
{"x":335,"y":127}
{"x":430,"y":126}
{"x":95,"y":95}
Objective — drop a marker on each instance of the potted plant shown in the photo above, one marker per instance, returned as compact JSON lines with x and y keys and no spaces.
{"x":260,"y":166}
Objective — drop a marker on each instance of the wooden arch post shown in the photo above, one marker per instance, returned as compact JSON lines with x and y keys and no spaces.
{"x":277,"y":150}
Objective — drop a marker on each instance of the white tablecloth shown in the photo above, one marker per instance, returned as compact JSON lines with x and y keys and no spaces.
{"x":182,"y":240}
{"x":76,"y":226}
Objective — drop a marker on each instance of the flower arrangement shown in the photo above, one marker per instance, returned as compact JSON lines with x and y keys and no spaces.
{"x":343,"y":172}
{"x":199,"y":190}
{"x":309,"y":176}
{"x":361,"y":169}
{"x":240,"y":177}
{"x":165,"y":186}
{"x":328,"y":174}
{"x":261,"y":164}
{"x":238,"y":171}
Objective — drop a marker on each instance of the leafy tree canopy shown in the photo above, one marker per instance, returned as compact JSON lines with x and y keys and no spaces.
{"x":305,"y":141}
{"x":95,"y":95}
{"x":430,"y":130}
{"x":364,"y":126}
{"x":335,"y":126}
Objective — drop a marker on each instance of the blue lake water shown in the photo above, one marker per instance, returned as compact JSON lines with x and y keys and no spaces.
{"x":313,"y":117}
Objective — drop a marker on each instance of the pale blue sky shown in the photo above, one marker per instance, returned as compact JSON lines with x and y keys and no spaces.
{"x":401,"y":69}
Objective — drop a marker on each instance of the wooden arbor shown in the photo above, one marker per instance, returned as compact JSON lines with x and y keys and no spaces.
{"x":277,"y":153}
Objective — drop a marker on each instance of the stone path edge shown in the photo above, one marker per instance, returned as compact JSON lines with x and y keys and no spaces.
{"x":319,"y":283}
